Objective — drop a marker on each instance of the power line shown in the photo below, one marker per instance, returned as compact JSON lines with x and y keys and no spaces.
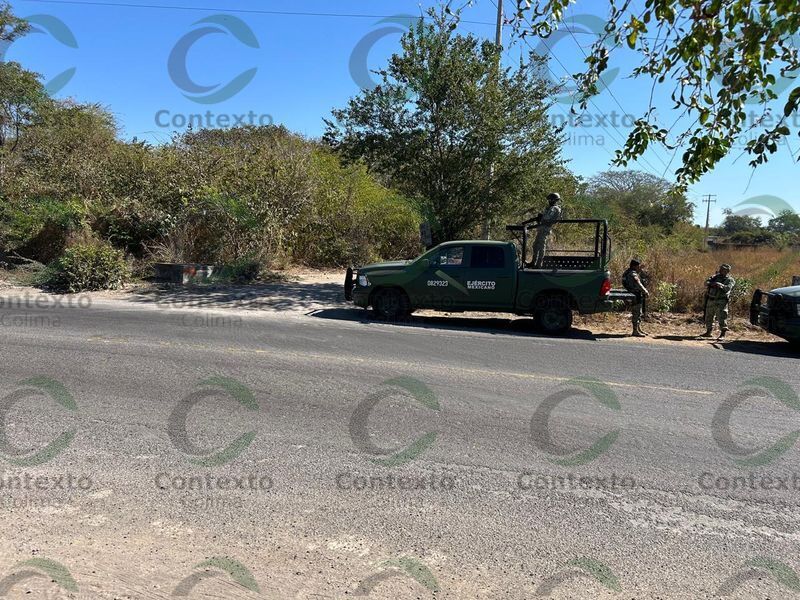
{"x":287,"y":13}
{"x":564,"y":68}
{"x":614,"y":97}
{"x":554,"y":76}
{"x":653,"y":170}
{"x":621,"y":142}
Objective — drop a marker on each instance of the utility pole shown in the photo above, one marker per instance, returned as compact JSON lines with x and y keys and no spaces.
{"x":709,"y":199}
{"x":498,"y":40}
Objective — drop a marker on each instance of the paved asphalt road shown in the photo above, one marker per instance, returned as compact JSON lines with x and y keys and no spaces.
{"x":282,"y":455}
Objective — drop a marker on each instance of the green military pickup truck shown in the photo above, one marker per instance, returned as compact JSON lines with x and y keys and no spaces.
{"x":493,"y":276}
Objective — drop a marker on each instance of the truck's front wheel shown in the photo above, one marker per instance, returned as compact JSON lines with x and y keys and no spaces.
{"x":391,"y":304}
{"x":555,"y":316}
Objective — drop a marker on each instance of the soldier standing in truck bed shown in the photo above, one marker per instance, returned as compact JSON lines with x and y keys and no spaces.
{"x":546,"y":221}
{"x":632,"y":282}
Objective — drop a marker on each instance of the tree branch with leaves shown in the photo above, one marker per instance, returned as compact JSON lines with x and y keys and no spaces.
{"x":718,"y":57}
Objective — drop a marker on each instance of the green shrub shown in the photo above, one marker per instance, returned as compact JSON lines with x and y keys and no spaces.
{"x":86,"y":267}
{"x":40,"y":229}
{"x":209,"y":196}
{"x":742,"y":294}
{"x":353,"y":219}
{"x":757,"y":237}
{"x":129,"y":225}
{"x":240,"y":271}
{"x":666,"y":297}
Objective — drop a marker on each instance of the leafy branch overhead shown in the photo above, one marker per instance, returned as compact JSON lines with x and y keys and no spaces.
{"x":719,"y":57}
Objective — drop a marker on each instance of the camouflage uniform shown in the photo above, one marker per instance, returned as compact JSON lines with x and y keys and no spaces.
{"x":548,"y":219}
{"x":632,"y":282}
{"x":718,"y":300}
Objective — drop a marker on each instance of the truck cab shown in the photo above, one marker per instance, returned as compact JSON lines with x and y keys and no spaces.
{"x":492,"y":276}
{"x":465,"y":275}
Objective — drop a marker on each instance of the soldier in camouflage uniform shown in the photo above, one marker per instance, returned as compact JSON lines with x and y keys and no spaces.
{"x":632,"y":282}
{"x":546,"y":221}
{"x":718,"y":298}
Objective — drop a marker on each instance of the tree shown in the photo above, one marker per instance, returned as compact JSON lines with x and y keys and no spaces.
{"x":786,"y":222}
{"x":757,"y":237}
{"x":21,"y":93}
{"x":719,"y":55}
{"x":645,"y":198}
{"x":450,"y":128}
{"x":740,"y":223}
{"x":20,"y":90}
{"x":65,"y":153}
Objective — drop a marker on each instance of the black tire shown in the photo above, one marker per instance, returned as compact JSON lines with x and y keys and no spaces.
{"x":554,"y":316}
{"x":755,"y":307}
{"x":348,"y":284}
{"x":391,"y":304}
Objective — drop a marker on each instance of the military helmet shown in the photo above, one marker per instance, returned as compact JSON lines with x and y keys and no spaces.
{"x":725,"y":266}
{"x":554,"y":198}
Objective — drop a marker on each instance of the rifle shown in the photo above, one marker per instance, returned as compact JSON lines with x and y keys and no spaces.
{"x":644,"y":308}
{"x":645,"y":277}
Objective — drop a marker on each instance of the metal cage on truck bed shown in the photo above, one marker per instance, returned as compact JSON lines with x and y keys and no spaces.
{"x":594,"y":257}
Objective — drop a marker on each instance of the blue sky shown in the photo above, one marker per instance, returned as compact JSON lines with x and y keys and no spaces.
{"x":298,"y":67}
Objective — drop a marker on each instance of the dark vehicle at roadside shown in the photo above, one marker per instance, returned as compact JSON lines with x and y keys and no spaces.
{"x":778,"y":312}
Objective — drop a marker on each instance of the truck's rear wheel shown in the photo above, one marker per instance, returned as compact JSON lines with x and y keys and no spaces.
{"x":555,"y":316}
{"x":390,"y":303}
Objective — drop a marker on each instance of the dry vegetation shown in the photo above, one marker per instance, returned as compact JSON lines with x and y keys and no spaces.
{"x":677,"y":277}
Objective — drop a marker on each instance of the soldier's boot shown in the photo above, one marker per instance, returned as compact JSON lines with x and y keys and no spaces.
{"x":708,"y":333}
{"x":722,"y":334}
{"x":636,"y":331}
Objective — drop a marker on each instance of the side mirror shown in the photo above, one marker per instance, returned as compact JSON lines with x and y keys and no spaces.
{"x":425,"y":263}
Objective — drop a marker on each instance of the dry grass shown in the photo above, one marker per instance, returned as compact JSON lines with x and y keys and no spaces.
{"x":672,"y":328}
{"x":765,"y":268}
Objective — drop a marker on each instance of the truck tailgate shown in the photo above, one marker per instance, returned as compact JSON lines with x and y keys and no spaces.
{"x":621,"y":295}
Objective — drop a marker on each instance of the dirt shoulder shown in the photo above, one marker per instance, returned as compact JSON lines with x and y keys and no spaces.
{"x":661,"y":327}
{"x":673,"y":328}
{"x":309,"y":291}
